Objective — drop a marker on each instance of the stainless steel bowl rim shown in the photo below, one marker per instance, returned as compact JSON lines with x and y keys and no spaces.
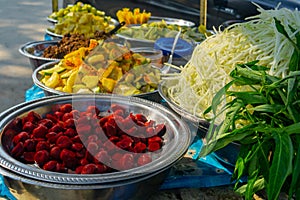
{"x":24,"y":52}
{"x":15,"y":176}
{"x":51,"y":33}
{"x":172,"y":152}
{"x":170,"y":20}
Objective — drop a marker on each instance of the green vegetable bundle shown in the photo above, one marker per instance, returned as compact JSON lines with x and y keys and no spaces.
{"x":265,"y":121}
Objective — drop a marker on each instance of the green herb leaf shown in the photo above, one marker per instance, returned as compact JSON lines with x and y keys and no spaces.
{"x":259,"y":185}
{"x":252,"y":177}
{"x":295,"y":183}
{"x":281,"y":164}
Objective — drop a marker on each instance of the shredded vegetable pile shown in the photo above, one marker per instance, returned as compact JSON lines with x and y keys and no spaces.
{"x":208,"y":69}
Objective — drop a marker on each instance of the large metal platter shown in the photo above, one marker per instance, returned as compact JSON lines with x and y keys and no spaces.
{"x":54,"y":21}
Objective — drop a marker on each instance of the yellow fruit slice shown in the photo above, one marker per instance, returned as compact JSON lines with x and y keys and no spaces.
{"x":53,"y":81}
{"x":90,"y":81}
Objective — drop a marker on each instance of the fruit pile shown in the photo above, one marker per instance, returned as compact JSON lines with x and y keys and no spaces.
{"x":133,"y":17}
{"x":67,"y":140}
{"x":108,"y":68}
{"x":82,"y":19}
{"x":79,"y":7}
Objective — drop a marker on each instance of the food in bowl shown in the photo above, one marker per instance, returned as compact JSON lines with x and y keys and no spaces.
{"x":82,"y":23}
{"x":68,"y":140}
{"x":70,"y":43}
{"x":108,"y":68}
{"x":176,"y":139}
{"x":157,"y":29}
{"x":70,"y":10}
{"x":133,"y":17}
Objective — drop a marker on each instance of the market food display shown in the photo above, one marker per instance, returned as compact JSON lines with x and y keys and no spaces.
{"x":108,"y":68}
{"x":242,"y":81}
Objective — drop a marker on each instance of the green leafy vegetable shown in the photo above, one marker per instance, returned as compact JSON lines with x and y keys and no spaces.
{"x":264,"y":118}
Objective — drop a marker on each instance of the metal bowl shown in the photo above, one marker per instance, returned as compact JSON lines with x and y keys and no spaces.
{"x":56,"y":36}
{"x":176,"y":139}
{"x":51,"y":20}
{"x":36,"y":77}
{"x":34,"y":51}
{"x":22,"y":187}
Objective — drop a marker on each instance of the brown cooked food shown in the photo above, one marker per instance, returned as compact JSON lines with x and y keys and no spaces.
{"x":70,"y":43}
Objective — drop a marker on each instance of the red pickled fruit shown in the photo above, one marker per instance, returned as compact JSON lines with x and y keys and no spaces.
{"x":64,"y":142}
{"x":29,"y":157}
{"x":58,"y":115}
{"x":40,"y":131}
{"x":75,"y":114}
{"x":139,"y":147}
{"x":66,"y":116}
{"x":141,"y":118}
{"x":83,"y":161}
{"x":160,"y":129}
{"x":83,"y":129}
{"x":55,"y":152}
{"x":92,"y":147}
{"x":154,"y":146}
{"x":102,"y":157}
{"x":155,"y":139}
{"x":41,"y":157}
{"x":70,"y":123}
{"x":21,"y":137}
{"x":42,"y":145}
{"x":29,"y":145}
{"x":32,"y":117}
{"x":52,"y":118}
{"x":70,"y":132}
{"x":18,"y":150}
{"x":126,"y":162}
{"x":66,"y":108}
{"x":89,"y":169}
{"x":93,"y":110}
{"x":56,"y":128}
{"x":28,"y":127}
{"x":144,"y":159}
{"x":77,"y":146}
{"x":101,"y":168}
{"x":50,"y":165}
{"x":69,"y":158}
{"x":46,"y":122}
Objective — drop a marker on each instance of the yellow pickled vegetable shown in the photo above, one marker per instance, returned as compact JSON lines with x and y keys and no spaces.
{"x":53,"y":81}
{"x":133,"y":17}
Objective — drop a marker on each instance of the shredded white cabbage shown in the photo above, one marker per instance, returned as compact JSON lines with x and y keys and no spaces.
{"x":212,"y":60}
